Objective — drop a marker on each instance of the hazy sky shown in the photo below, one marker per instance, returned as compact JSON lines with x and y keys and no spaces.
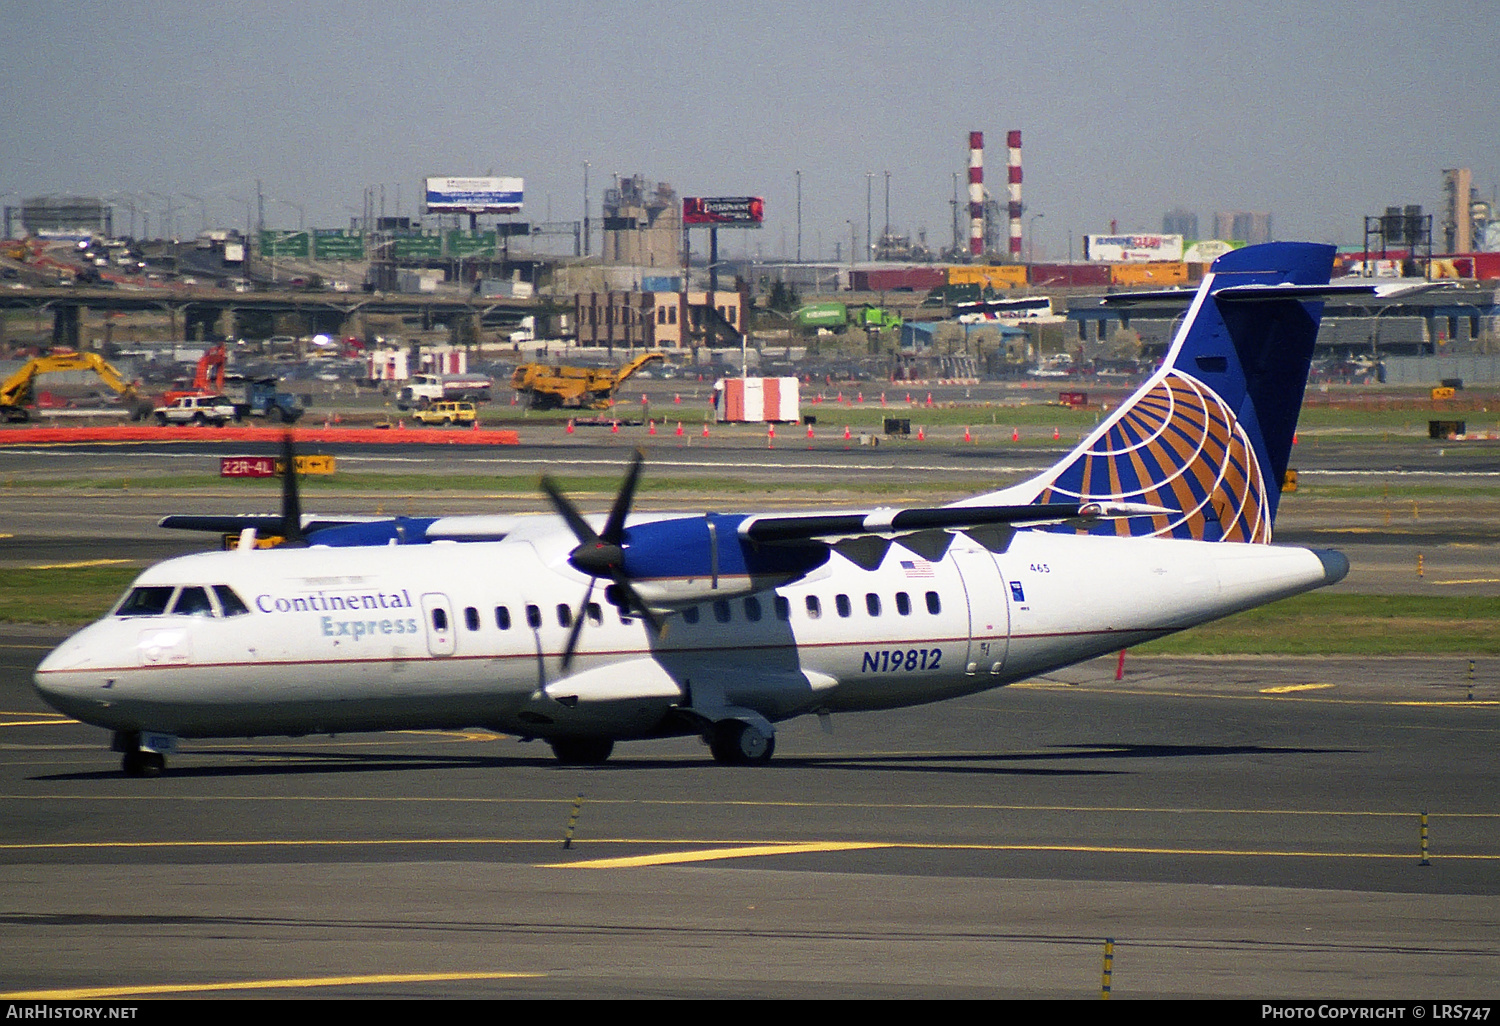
{"x":1319,"y":113}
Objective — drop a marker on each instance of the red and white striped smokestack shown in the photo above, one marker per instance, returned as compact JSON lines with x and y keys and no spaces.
{"x":1013,"y":163}
{"x":976,"y":194}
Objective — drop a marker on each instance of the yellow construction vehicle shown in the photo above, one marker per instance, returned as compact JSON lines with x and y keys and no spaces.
{"x":16,"y":392}
{"x":547,"y":387}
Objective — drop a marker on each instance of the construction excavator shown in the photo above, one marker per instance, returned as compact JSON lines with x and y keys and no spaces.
{"x":16,"y":393}
{"x":208,"y":377}
{"x":546,"y":387}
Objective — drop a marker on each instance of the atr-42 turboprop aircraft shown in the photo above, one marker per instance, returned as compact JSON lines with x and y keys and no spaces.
{"x":720,"y":625}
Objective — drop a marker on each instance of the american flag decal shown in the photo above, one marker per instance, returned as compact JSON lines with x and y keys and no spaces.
{"x":916,"y":567}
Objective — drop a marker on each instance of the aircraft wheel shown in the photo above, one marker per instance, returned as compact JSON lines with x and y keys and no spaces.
{"x":582,"y":751}
{"x":739,"y":744}
{"x":143,"y":764}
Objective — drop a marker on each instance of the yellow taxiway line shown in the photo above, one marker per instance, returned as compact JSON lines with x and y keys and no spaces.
{"x":715,"y":854}
{"x":293,"y":983}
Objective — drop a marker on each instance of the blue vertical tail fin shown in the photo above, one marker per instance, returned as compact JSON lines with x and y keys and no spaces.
{"x":1209,"y":435}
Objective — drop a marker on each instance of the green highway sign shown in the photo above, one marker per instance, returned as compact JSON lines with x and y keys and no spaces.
{"x":468,"y":244}
{"x":419,"y":247}
{"x":285,"y":244}
{"x":336,"y":244}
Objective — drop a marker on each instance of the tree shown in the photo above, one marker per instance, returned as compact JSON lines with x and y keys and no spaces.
{"x":783,"y":298}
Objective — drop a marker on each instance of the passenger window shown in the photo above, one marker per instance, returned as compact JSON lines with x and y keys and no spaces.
{"x":471,"y":618}
{"x":151,"y":601}
{"x":229,"y":601}
{"x":721,"y":610}
{"x":564,"y":615}
{"x":903,"y":603}
{"x":934,"y":605}
{"x":690,"y":614}
{"x":814,"y":607}
{"x":534,"y":617}
{"x":193,"y":602}
{"x":752,"y":610}
{"x":872,"y":604}
{"x":841,"y":603}
{"x":783,"y":609}
{"x":440,"y":619}
{"x":595,"y":614}
{"x":502,"y":617}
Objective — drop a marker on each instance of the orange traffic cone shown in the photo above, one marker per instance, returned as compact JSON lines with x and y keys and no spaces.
{"x":679,"y":429}
{"x":809,"y":431}
{"x":677,"y":397}
{"x":614,"y":427}
{"x":1015,"y":434}
{"x":652,"y":429}
{"x":1294,"y":438}
{"x":921,"y":434}
{"x":967,"y":437}
{"x":705,"y":429}
{"x":1055,"y":435}
{"x":846,"y":433}
{"x":570,"y":425}
{"x":770,"y":435}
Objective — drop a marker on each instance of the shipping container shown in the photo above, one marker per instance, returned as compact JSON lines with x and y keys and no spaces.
{"x":1004,"y":276}
{"x":1486,"y":266}
{"x":821,"y":315}
{"x":898,"y":279}
{"x":1160,"y":274}
{"x":757,"y":401}
{"x":1064,"y":275}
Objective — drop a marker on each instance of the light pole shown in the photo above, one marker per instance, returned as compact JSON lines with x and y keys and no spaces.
{"x":1031,"y":238}
{"x":301,"y":211}
{"x":585,"y":208}
{"x":887,"y":230}
{"x":799,"y":215}
{"x":202,"y":210}
{"x":869,"y":242}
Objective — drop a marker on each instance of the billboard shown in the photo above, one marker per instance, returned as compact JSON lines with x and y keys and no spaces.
{"x":1116,"y":249}
{"x":724,"y":211}
{"x":474,"y":195}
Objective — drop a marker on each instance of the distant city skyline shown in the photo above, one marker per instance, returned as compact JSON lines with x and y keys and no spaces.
{"x":1320,"y":114}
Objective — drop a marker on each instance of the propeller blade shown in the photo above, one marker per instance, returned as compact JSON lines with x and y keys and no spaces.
{"x":614,"y":527}
{"x":583,"y":608}
{"x":638,"y":606}
{"x":291,"y":502}
{"x":579,"y":526}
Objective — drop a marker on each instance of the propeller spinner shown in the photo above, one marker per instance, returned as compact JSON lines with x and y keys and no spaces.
{"x":601,"y":554}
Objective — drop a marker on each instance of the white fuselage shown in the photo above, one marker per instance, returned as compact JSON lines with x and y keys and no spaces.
{"x":472,"y":634}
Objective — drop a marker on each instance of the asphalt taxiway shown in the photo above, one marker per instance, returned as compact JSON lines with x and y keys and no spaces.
{"x":1238,"y":827}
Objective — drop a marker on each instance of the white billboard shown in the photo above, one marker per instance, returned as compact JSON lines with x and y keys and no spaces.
{"x":474,"y":195}
{"x":1119,"y":249}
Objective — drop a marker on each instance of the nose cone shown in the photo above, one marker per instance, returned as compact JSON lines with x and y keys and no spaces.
{"x":63,"y":677}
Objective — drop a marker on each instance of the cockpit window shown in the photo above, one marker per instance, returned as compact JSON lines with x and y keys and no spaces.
{"x":229,"y":601}
{"x":193,"y":602}
{"x":147,"y":601}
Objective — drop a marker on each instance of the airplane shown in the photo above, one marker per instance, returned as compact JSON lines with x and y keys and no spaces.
{"x":722,"y":625}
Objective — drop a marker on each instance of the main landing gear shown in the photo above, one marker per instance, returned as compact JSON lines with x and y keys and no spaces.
{"x":736,"y":743}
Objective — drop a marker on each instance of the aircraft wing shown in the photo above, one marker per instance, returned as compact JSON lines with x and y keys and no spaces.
{"x":833,"y":526}
{"x":264,"y":523}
